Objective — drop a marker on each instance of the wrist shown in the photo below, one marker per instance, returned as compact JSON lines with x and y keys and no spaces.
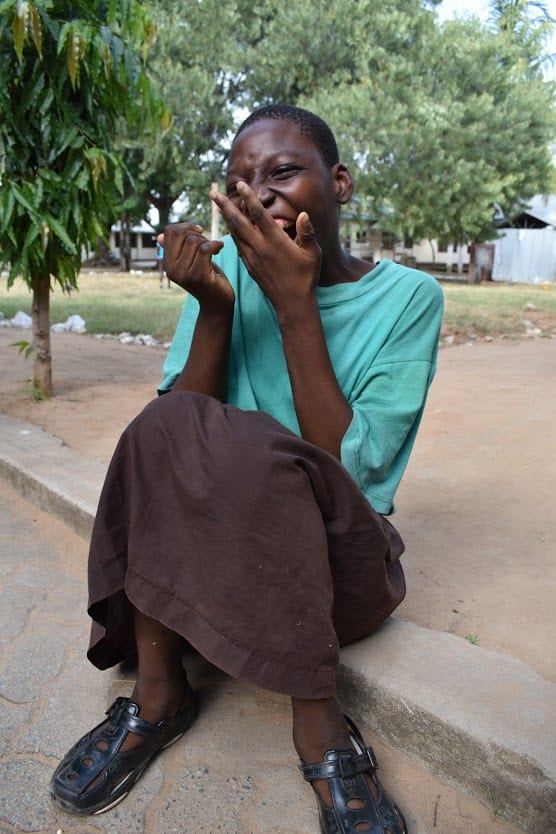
{"x":218,"y":316}
{"x":299,"y":316}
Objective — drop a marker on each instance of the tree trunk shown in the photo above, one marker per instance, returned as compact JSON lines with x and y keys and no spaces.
{"x":125,"y":241}
{"x":102,"y":253}
{"x":164,"y":205}
{"x":42,"y":363}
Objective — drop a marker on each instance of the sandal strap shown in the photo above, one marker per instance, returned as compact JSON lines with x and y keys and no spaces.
{"x":94,"y":774}
{"x":123,"y":714}
{"x":344,"y":764}
{"x":344,"y":768}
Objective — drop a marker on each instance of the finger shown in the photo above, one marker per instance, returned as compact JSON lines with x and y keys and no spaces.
{"x":240,"y":225}
{"x":305,"y":234}
{"x":256,"y":212}
{"x":229,"y":211}
{"x":211,"y":247}
{"x":201,"y":263}
{"x":179,"y":238}
{"x":180,"y":256}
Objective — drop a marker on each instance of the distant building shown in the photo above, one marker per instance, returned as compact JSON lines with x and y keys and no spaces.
{"x":143,"y":244}
{"x":525,"y":252}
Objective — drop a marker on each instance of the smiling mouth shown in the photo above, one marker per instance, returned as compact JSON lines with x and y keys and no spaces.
{"x":286,"y":226}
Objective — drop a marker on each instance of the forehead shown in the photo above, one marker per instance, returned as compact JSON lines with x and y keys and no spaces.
{"x":268,"y":139}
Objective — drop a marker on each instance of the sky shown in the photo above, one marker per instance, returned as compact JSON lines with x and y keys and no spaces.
{"x":453,"y":8}
{"x":480,"y":8}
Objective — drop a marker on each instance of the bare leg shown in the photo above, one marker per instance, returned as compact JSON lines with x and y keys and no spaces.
{"x":161,"y":679}
{"x":318,"y":726}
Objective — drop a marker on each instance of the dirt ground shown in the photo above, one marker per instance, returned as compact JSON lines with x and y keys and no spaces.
{"x":476,"y":507}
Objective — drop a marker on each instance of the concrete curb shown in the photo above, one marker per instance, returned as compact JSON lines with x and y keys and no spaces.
{"x":482,"y":721}
{"x":57,"y":479}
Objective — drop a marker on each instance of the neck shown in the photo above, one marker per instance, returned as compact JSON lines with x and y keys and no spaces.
{"x":342,"y":268}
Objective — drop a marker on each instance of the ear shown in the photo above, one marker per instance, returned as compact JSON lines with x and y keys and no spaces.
{"x":343,"y":183}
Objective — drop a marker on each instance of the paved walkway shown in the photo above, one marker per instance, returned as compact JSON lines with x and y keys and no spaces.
{"x":482,"y":721}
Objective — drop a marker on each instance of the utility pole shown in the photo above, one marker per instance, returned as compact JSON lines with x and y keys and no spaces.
{"x":214,"y":218}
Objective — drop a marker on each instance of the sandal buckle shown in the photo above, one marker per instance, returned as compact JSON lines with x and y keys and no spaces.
{"x":371,"y":757}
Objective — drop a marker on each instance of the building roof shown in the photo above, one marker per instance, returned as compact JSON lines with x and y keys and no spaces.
{"x":540,"y":212}
{"x":143,"y":226}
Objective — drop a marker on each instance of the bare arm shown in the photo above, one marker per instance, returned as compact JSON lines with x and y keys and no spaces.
{"x":288,"y":273}
{"x":188,"y":262}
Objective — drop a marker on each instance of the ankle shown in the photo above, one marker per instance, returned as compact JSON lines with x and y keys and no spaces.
{"x":318,"y":726}
{"x":159,"y":698}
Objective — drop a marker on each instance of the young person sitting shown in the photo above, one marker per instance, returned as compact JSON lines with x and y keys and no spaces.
{"x":245,"y":511}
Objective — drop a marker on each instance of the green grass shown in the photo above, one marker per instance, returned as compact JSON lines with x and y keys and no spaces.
{"x":498,"y":309}
{"x":109,"y":302}
{"x":113,"y":302}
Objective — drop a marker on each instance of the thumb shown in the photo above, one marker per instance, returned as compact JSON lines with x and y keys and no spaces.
{"x":305,"y":234}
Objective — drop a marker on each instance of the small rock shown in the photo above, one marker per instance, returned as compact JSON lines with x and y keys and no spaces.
{"x":529,"y":306}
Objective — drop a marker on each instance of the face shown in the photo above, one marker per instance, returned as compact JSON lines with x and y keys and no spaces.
{"x":288,"y":175}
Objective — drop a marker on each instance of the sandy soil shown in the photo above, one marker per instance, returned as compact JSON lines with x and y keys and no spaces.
{"x":476,"y":508}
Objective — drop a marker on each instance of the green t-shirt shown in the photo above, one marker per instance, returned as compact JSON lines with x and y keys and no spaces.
{"x":382,"y":334}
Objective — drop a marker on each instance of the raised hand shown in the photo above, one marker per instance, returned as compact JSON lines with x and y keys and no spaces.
{"x":286,"y":270}
{"x":188,"y":263}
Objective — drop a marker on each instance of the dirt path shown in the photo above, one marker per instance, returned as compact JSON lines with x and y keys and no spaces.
{"x":476,"y":508}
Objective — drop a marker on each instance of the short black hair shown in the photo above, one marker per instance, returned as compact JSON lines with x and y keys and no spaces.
{"x":309,"y":124}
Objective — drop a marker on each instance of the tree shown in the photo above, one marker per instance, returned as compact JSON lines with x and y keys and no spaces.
{"x":526,"y":26}
{"x":68,"y":73}
{"x":200,"y":93}
{"x":439,"y":123}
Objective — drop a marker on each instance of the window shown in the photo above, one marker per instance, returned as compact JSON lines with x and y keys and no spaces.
{"x":387,"y":240}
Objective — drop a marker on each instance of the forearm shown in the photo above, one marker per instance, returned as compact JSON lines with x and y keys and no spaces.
{"x":322,"y":411}
{"x":206,"y":369}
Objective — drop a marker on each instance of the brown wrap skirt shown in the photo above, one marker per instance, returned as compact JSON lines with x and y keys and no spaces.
{"x":254,"y":545}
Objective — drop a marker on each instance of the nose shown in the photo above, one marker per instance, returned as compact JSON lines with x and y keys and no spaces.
{"x":263,"y":193}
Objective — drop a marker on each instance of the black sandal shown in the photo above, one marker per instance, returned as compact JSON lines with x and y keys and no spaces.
{"x":354,"y":809}
{"x":94,"y":776}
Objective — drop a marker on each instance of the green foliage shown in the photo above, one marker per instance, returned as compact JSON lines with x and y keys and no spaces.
{"x":440,"y":123}
{"x":23,"y":347}
{"x":473,"y":639}
{"x":68,"y":73}
{"x":198,"y":84}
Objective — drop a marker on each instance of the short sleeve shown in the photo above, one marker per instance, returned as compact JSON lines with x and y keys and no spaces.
{"x":390,"y":401}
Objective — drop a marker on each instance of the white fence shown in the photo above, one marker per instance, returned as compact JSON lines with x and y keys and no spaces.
{"x":525,"y":255}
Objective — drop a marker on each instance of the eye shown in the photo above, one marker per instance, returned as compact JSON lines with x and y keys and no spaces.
{"x":231,"y":190}
{"x":285,"y":172}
